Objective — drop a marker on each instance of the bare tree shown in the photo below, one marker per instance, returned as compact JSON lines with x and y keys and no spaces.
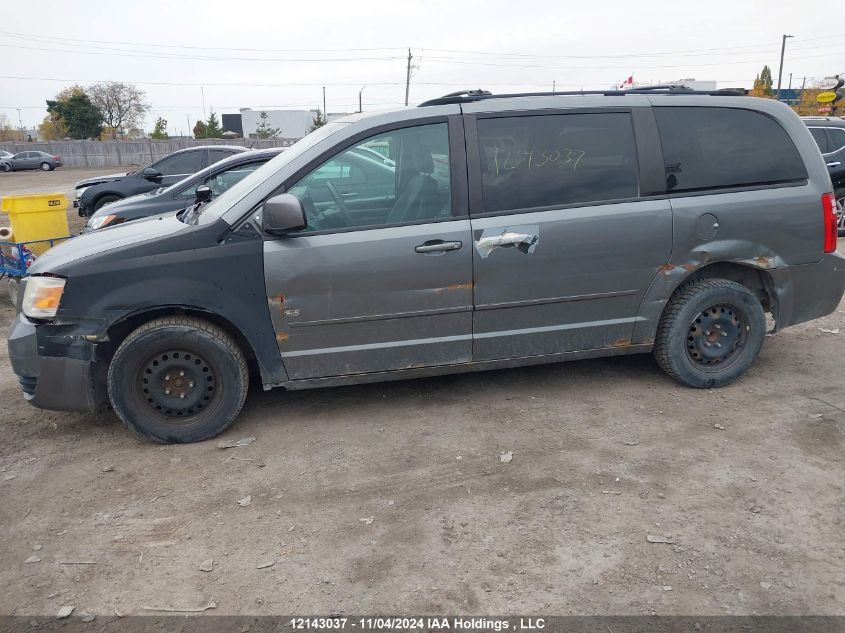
{"x":122,"y":104}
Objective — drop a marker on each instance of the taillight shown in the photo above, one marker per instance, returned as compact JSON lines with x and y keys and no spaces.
{"x":829,"y":211}
{"x":57,"y":157}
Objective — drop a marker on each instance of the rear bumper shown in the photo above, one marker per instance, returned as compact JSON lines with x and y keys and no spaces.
{"x":61,"y":383}
{"x":809,"y":291}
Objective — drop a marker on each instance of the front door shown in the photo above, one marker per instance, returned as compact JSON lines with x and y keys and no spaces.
{"x":564,"y":245}
{"x":381,"y":279}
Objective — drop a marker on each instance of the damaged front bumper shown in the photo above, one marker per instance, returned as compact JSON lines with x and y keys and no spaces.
{"x":56,"y":371}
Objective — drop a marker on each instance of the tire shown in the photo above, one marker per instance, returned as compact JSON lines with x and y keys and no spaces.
{"x":6,"y":167}
{"x":144,"y":380}
{"x":104,"y":200}
{"x":839,"y":194}
{"x":46,"y":167}
{"x":710,"y":333}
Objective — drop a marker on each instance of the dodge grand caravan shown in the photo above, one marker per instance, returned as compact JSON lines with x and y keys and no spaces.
{"x":501,"y":231}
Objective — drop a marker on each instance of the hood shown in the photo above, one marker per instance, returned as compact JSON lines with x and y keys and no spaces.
{"x":105,"y":240}
{"x":88,"y":182}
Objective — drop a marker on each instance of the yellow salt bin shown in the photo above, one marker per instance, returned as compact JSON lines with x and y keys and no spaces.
{"x":37,"y":216}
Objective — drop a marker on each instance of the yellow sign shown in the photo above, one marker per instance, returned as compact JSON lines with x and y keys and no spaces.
{"x":825,"y":97}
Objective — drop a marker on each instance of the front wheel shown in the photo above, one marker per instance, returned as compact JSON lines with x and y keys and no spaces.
{"x":710,"y":333}
{"x":178,"y":380}
{"x":104,"y":200}
{"x":46,"y":167}
{"x":5,"y":167}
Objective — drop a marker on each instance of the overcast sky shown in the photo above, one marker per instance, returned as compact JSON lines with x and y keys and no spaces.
{"x":269,"y":54}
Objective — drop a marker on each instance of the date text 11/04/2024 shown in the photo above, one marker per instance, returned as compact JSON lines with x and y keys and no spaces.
{"x":406,"y":623}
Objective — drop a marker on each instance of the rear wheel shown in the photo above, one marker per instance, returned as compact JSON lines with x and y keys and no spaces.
{"x":45,"y":166}
{"x":839,"y":194}
{"x":178,"y":380}
{"x":710,"y":333}
{"x":103,"y":201}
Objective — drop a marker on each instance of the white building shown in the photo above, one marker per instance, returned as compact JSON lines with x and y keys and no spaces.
{"x":292,"y":124}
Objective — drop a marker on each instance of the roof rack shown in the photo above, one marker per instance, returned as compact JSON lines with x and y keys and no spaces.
{"x":468,"y":96}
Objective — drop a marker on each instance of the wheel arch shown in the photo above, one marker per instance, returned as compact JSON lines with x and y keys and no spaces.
{"x":753,"y":274}
{"x":120,"y":329}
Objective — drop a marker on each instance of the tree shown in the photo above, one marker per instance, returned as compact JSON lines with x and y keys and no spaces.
{"x":52,"y":129}
{"x":807,"y":104}
{"x":122,"y":104}
{"x":264,"y":130}
{"x":7,"y":132}
{"x":79,"y":117}
{"x":319,"y":121}
{"x":160,"y":130}
{"x":763,"y":84}
{"x":200,"y":130}
{"x":213,"y":128}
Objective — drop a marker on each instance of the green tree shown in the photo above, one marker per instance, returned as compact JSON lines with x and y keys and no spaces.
{"x":160,"y":130}
{"x":200,"y":130}
{"x":766,"y":78}
{"x":264,"y":130}
{"x":213,"y":128}
{"x":319,"y":121}
{"x":80,"y":116}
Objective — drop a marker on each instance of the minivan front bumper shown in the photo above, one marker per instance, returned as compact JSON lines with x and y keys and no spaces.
{"x":65,"y":382}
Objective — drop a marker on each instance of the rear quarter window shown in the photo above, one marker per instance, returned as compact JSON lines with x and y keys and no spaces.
{"x":717,"y":148}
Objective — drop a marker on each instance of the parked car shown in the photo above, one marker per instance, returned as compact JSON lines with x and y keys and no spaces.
{"x":829,"y":134}
{"x":31,"y":160}
{"x":515,"y":230}
{"x":201,"y":187}
{"x":93,"y":193}
{"x":4,"y":155}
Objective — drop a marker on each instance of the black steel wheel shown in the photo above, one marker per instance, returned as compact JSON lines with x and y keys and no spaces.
{"x":177,"y":380}
{"x":710,"y":333}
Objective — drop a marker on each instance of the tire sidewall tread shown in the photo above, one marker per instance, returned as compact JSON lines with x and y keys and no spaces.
{"x":180,"y":329}
{"x":686,"y":303}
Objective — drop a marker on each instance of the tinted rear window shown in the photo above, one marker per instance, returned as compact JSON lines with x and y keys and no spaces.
{"x":836,"y":138}
{"x":559,"y":159}
{"x":716,"y":148}
{"x":820,"y":137}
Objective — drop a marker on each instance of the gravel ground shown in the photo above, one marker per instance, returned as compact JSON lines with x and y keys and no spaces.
{"x":396,"y":498}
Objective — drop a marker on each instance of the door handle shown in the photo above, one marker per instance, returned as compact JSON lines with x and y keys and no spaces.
{"x":834,"y":164}
{"x":523,"y":241}
{"x":437,"y":246}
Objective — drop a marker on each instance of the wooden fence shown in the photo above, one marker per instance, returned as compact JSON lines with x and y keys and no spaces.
{"x":120,"y":153}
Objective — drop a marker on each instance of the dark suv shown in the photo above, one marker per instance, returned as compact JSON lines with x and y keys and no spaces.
{"x":93,"y":193}
{"x":829,"y":134}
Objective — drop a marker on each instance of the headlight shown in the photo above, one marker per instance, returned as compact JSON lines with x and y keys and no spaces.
{"x":101,"y":222}
{"x":79,"y":192}
{"x":42,"y":296}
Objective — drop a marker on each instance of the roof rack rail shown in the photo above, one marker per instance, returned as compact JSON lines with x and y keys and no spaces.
{"x":468,"y":96}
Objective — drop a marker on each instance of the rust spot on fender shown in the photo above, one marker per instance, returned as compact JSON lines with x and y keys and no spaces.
{"x":689,"y":267}
{"x":466,"y":286}
{"x":282,"y":337}
{"x":763,"y":261}
{"x":665,"y":269}
{"x":621,"y":342}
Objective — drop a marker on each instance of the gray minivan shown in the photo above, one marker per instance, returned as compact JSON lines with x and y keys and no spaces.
{"x":501,"y":231}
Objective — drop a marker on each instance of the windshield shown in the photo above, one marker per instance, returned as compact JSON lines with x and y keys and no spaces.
{"x":214,"y":209}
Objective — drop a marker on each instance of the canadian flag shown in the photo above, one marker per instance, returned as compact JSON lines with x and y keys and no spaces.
{"x":628,"y":82}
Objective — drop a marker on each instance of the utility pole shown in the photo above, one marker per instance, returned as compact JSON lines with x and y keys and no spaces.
{"x":780,"y":70}
{"x":408,"y":77}
{"x":20,"y":122}
{"x":325,"y":113}
{"x":790,"y":82}
{"x":188,"y":119}
{"x":360,"y":109}
{"x":554,"y":85}
{"x":202,"y":92}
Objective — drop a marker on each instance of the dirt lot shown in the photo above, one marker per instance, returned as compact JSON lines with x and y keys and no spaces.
{"x":395,"y":498}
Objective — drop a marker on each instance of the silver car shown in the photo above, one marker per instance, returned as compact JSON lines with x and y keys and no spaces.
{"x":31,"y":160}
{"x":500,"y":231}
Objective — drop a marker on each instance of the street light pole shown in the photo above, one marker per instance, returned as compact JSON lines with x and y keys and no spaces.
{"x":360,"y":109}
{"x":780,"y":70}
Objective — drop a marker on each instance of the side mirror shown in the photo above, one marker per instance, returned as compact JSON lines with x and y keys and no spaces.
{"x":283,"y":214}
{"x":203,"y":193}
{"x":150,"y":173}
